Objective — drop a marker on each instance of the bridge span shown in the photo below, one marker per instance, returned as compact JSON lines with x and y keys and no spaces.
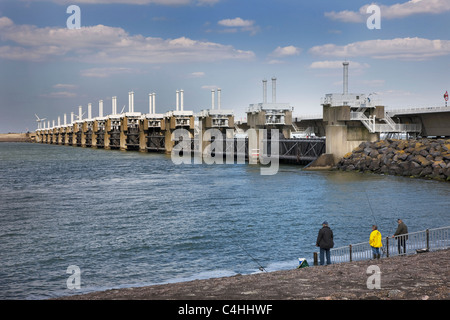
{"x":435,"y":121}
{"x":425,"y":122}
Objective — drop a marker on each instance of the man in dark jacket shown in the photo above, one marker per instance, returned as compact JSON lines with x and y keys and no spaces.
{"x":402,"y":235}
{"x":325,"y":242}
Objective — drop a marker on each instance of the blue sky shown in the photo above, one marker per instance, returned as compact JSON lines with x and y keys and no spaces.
{"x":196,"y":45}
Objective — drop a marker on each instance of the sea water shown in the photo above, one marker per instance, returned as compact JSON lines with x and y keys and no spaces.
{"x":132,"y":219}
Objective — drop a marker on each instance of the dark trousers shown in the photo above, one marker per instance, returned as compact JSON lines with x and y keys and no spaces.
{"x":325,"y":252}
{"x":401,"y":242}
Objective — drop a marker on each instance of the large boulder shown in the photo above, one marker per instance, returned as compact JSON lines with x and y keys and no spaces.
{"x":428,"y":158}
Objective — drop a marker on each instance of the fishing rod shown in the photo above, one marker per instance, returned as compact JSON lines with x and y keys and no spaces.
{"x":370,"y":207}
{"x":373,"y":215}
{"x":261,"y":268}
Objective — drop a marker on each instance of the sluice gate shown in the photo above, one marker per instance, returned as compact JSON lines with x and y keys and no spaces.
{"x":298,"y":151}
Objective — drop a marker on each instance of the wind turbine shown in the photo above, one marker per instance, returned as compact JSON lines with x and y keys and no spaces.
{"x":80,"y":117}
{"x":39,"y":121}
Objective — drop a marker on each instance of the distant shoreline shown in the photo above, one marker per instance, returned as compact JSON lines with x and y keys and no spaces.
{"x":16,"y":137}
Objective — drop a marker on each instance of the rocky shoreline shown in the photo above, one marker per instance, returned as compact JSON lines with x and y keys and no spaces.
{"x":423,"y":276}
{"x":422,"y":158}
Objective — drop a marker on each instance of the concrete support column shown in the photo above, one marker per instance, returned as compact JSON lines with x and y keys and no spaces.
{"x":52,"y":140}
{"x":143,"y":131}
{"x":107,"y":135}
{"x":343,"y":134}
{"x":94,"y":134}
{"x":168,"y":136}
{"x":76,"y":128}
{"x":83,"y":134}
{"x":342,"y":139}
{"x":123,"y":133}
{"x":60,"y":134}
{"x":66,"y":136}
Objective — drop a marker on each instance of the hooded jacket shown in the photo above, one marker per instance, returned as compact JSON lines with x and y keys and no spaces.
{"x":375,"y":239}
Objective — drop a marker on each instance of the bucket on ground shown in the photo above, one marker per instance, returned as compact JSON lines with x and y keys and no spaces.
{"x":302,"y":263}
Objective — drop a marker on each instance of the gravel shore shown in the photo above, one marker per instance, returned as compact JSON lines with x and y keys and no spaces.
{"x":423,"y":276}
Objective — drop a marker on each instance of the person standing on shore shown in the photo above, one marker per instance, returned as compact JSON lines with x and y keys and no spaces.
{"x":325,"y":242}
{"x":375,"y":242}
{"x":401,"y":234}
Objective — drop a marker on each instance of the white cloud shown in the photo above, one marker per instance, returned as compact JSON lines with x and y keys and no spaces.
{"x":286,"y":51}
{"x":103,"y":44}
{"x":238,"y":24}
{"x":5,"y":22}
{"x":398,"y":10}
{"x":59,"y":94}
{"x":107,"y":72}
{"x":412,"y":7}
{"x":197,"y":74}
{"x":399,"y":48}
{"x":65,"y":86}
{"x":346,"y":16}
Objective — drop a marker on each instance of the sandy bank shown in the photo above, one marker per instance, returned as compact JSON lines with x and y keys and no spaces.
{"x":15,"y":137}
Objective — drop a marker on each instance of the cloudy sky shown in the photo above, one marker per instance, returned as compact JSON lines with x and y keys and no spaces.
{"x":196,"y":45}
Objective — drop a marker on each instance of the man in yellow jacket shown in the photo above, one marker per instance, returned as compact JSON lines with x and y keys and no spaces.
{"x":375,"y":242}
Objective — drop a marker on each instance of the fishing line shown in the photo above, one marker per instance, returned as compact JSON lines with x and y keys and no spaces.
{"x":233,"y":239}
{"x":261,"y":268}
{"x":373,"y":215}
{"x":370,"y":207}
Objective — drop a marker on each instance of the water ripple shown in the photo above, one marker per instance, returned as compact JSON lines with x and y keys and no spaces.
{"x":127,"y":218}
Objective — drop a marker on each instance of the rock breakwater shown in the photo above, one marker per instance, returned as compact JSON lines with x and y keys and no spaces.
{"x":422,"y":158}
